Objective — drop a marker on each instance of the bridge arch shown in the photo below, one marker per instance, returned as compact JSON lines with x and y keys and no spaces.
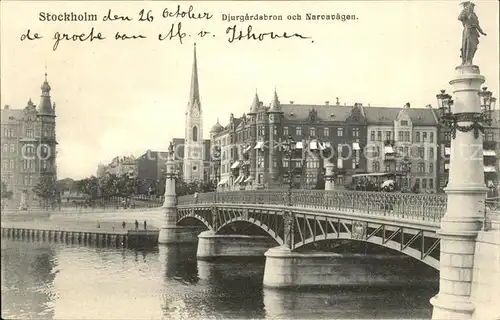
{"x":197,"y":217}
{"x":393,"y":245}
{"x":254,"y":222}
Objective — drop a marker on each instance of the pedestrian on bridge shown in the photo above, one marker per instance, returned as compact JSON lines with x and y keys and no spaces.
{"x":136,"y":225}
{"x":123,"y":224}
{"x":145,"y":225}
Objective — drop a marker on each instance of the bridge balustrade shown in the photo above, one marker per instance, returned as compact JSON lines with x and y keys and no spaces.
{"x":429,"y":207}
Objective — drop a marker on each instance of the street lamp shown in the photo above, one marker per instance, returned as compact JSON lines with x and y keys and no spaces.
{"x":406,"y":168}
{"x":451,"y":120}
{"x":171,"y":152}
{"x":217,"y":153}
{"x":289,"y":146}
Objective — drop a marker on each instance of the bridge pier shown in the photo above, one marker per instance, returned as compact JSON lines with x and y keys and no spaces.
{"x":170,"y":235}
{"x":169,"y":231}
{"x":211,"y":245}
{"x":285,"y":268}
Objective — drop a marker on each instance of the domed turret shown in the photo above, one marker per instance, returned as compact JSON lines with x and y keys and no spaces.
{"x":45,"y":86}
{"x":217,"y":127}
{"x":45,"y":106}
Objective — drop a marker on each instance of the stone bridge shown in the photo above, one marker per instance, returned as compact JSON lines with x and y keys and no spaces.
{"x":398,"y":221}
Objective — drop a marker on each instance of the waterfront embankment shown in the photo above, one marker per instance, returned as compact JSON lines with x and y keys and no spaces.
{"x":113,"y":227}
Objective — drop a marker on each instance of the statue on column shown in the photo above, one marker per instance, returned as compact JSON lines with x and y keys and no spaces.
{"x":215,"y":218}
{"x":288,"y":229}
{"x":171,"y":148}
{"x":471,"y":33}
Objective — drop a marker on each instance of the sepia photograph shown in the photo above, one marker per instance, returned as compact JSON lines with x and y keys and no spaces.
{"x":250,"y":159}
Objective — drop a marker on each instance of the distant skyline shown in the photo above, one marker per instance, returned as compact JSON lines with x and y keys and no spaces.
{"x":116,"y":98}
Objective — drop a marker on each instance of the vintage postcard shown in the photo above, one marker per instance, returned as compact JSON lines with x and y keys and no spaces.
{"x":250,"y":159}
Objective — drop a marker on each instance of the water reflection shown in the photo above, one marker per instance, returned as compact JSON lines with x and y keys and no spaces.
{"x":62,"y":281}
{"x":348,"y":303}
{"x":28,"y":272}
{"x":234,"y":286}
{"x":178,"y":262}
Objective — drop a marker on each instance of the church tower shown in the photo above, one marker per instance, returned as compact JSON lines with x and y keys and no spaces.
{"x":193,"y":140}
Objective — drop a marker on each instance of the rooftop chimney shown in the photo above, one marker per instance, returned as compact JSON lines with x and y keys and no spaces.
{"x":327,"y":103}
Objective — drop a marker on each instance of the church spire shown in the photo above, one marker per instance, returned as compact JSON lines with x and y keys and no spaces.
{"x":194,"y":95}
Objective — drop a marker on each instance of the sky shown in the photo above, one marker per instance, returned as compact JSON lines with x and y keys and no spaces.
{"x":122,"y":97}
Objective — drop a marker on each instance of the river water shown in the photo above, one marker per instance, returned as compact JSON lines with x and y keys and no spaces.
{"x":42,"y":280}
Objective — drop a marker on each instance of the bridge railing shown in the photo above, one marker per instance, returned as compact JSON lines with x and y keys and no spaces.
{"x":429,"y":207}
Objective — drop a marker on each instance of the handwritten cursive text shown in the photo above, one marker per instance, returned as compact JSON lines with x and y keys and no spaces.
{"x":174,"y":32}
{"x":110,"y":17}
{"x":186,"y":14}
{"x":82,"y":37}
{"x":237,"y":35}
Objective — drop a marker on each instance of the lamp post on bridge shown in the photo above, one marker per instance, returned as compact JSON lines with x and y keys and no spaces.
{"x":289,"y":146}
{"x":327,"y":152}
{"x":406,"y":168}
{"x":216,"y":157}
{"x":170,"y":202}
{"x":465,"y":115}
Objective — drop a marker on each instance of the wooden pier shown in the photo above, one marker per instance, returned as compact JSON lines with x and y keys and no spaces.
{"x":80,"y":235}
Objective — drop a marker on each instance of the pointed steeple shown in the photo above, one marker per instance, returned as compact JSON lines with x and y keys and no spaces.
{"x":275,"y":103}
{"x":45,"y":106}
{"x":255,"y":104}
{"x":194,"y":95}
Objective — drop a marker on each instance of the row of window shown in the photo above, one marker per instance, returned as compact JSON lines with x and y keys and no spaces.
{"x":9,"y":148}
{"x":325,"y":132}
{"x":487,"y":136}
{"x":298,"y":164}
{"x":28,"y":149}
{"x":8,"y":132}
{"x":298,"y":131}
{"x":29,"y":132}
{"x":311,"y":179}
{"x":424,"y":183}
{"x":405,"y":151}
{"x":402,"y":136}
{"x":421,"y":166}
{"x":9,"y":180}
{"x":27,"y":165}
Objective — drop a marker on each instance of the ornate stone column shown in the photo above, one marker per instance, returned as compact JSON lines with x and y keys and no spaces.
{"x":466,"y":193}
{"x":329,"y":176}
{"x":169,"y":207}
